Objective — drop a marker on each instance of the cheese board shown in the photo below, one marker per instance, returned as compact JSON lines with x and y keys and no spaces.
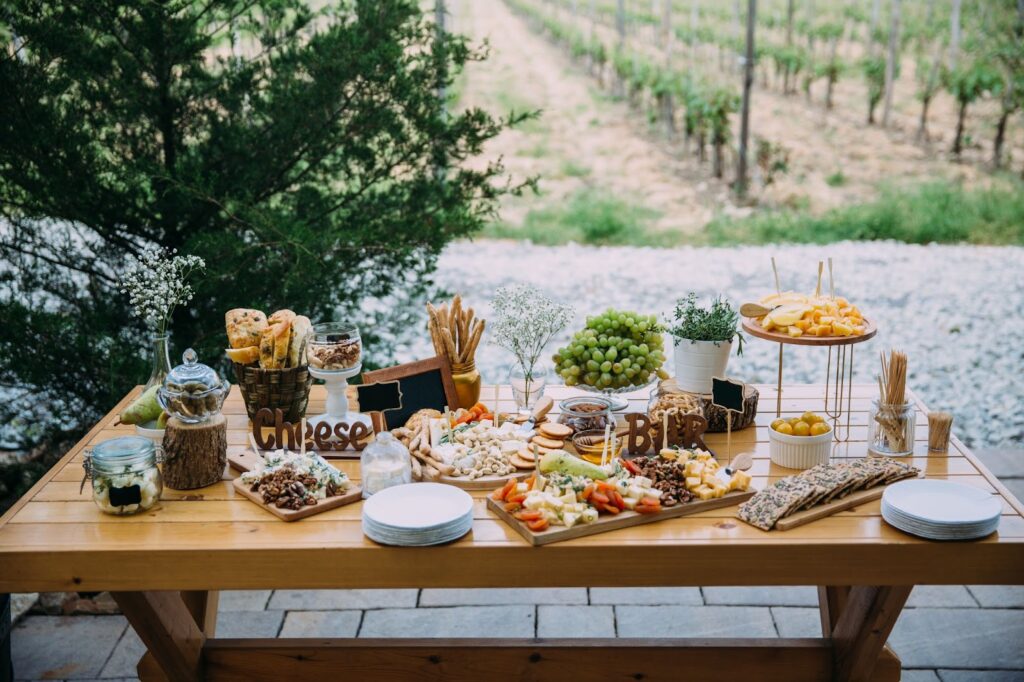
{"x":625,"y":519}
{"x":353,"y":494}
{"x":752,"y":327}
{"x":484,"y":482}
{"x":830,"y":508}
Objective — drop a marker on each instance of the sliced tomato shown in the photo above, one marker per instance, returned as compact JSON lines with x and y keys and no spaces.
{"x":611,"y":509}
{"x":537,"y":525}
{"x":587,"y":492}
{"x":529,"y":515}
{"x":630,"y":467}
{"x":599,"y":498}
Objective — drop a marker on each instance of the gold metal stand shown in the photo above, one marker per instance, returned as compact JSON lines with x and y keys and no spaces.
{"x":842,"y":383}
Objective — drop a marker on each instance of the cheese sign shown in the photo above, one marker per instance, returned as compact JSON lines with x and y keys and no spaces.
{"x":727,"y":394}
{"x":324,"y":437}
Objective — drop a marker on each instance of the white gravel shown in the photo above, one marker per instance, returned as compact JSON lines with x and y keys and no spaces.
{"x":955,"y":310}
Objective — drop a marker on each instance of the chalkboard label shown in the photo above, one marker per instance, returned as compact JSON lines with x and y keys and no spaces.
{"x":122,"y":497}
{"x":727,"y":394}
{"x":380,"y":397}
{"x":424,"y":384}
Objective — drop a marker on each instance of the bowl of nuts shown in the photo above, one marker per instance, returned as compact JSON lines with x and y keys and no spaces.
{"x":335,"y":347}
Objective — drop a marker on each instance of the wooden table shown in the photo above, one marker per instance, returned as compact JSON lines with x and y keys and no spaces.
{"x":165,"y":566}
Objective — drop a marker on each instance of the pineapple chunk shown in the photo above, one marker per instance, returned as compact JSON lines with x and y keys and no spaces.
{"x":840,"y":329}
{"x":793,"y":330}
{"x":802,"y":325}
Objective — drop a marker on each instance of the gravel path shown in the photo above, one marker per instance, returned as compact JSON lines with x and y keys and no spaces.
{"x":956,"y":310}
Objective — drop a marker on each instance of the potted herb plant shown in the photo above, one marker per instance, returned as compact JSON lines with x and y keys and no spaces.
{"x":702,"y":338}
{"x":525,"y":321}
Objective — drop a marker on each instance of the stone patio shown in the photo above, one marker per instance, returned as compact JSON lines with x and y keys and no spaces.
{"x":949,"y":633}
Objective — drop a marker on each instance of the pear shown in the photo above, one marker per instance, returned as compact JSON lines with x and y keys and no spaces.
{"x":161,"y":422}
{"x":145,"y":408}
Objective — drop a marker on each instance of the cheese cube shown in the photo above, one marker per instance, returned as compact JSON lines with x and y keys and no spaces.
{"x":589,"y":516}
{"x":634,"y":491}
{"x":719,"y":490}
{"x":740,"y":481}
{"x":642,"y":481}
{"x":692,"y":482}
{"x":703,"y":492}
{"x":694,"y":468}
{"x":630,"y":502}
{"x":570,"y":519}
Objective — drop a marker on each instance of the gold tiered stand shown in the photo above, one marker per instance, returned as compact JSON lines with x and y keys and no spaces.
{"x":839,"y":386}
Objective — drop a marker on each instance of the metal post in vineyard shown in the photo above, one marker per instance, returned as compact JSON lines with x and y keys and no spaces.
{"x":748,"y":79}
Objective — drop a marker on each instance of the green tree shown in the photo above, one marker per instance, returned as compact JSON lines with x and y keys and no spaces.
{"x":302,"y":153}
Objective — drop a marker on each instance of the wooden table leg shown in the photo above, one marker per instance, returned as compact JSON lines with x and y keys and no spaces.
{"x":831,"y":600}
{"x":6,"y":665}
{"x":863,"y":625}
{"x":203,"y":607}
{"x":169,"y":631}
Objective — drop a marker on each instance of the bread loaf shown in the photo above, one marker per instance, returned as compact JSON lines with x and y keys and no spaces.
{"x":244,"y":327}
{"x":244,"y":356}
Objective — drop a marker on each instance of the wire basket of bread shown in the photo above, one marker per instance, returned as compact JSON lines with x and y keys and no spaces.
{"x":269,"y":359}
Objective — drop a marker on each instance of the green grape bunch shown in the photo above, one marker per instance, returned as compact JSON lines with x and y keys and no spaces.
{"x":617,"y":349}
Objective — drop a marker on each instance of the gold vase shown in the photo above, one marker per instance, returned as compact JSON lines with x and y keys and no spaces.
{"x":467,"y":384}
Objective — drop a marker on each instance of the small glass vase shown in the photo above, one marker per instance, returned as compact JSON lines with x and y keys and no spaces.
{"x":527,"y":387}
{"x":161,"y":365}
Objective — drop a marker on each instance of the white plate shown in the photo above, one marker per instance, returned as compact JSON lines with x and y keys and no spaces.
{"x":418,"y":506}
{"x":934,"y":502}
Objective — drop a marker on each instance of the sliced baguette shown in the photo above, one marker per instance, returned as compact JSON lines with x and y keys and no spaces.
{"x":302,"y":328}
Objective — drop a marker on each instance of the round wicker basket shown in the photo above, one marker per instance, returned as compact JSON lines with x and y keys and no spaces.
{"x":278,"y":389}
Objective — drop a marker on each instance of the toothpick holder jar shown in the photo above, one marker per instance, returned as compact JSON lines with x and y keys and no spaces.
{"x":891,"y":429}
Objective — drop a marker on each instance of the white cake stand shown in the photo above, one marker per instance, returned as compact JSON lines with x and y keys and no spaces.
{"x":336,"y":381}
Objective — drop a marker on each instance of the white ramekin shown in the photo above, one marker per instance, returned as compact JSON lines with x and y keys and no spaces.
{"x":799,"y":452}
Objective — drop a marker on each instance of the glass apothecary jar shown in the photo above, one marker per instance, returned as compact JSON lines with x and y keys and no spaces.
{"x":586,"y":413}
{"x":125,"y":476}
{"x":891,"y":429}
{"x":383,"y":464}
{"x":192,"y":392}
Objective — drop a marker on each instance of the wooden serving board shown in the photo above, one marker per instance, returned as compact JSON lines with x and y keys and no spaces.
{"x":605,"y":523}
{"x":752,"y":327}
{"x":353,"y":495}
{"x":484,"y":482}
{"x":833,"y":507}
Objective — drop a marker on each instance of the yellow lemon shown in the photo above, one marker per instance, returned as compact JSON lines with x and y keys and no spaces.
{"x":811,"y":418}
{"x":793,"y":421}
{"x":801,"y":429}
{"x":819,"y":428}
{"x":775,"y":424}
{"x":785,"y":428}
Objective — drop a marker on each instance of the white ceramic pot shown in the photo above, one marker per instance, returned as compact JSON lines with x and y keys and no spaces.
{"x":799,"y":452}
{"x":698,"y":361}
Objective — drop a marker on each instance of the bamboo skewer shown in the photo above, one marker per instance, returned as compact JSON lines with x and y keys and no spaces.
{"x":831,"y":281}
{"x":892,"y":394}
{"x":778,"y":288}
{"x":817,"y":289}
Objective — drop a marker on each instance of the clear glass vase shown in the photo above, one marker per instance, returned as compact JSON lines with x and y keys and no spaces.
{"x":161,"y":360}
{"x":891,"y":429}
{"x":527,"y":387}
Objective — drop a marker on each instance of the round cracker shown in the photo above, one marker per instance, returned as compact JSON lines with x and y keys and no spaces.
{"x":520,"y":463}
{"x":555,"y":430}
{"x":549,"y":443}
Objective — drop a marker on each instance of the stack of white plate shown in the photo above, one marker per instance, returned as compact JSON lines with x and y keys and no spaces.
{"x":418,"y":514}
{"x":941,"y":510}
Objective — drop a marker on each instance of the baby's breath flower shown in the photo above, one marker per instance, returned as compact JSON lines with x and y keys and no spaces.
{"x":526,"y":320}
{"x":157,"y":282}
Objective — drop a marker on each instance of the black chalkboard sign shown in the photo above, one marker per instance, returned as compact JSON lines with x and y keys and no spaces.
{"x":727,"y":394}
{"x":122,"y":497}
{"x":383,"y":396}
{"x":423,"y":384}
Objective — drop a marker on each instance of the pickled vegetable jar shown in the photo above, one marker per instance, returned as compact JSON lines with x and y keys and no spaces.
{"x":125,"y":476}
